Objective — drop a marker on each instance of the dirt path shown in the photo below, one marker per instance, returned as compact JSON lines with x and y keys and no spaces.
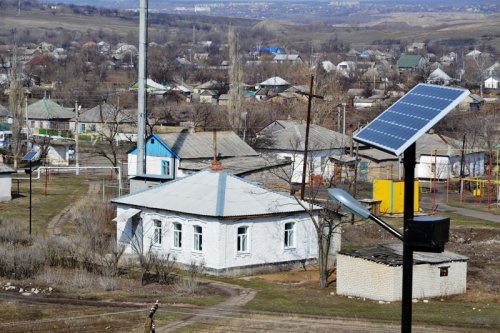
{"x":55,"y":227}
{"x":238,"y":297}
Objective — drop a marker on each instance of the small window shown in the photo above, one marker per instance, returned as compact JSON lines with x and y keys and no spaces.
{"x":157,"y":232}
{"x":177,"y":235}
{"x":198,"y":238}
{"x":165,"y":168}
{"x":152,"y":141}
{"x":443,"y":271}
{"x":242,"y":239}
{"x":289,"y":234}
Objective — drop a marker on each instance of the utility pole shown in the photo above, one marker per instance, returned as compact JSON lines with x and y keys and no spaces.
{"x":310,"y":96}
{"x":141,"y":95}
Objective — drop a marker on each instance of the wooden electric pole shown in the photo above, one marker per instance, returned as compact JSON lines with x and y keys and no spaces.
{"x":310,"y":96}
{"x":149,"y":327}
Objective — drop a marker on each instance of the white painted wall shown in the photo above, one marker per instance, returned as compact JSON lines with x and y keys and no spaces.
{"x":491,"y":83}
{"x":265,"y":239}
{"x":153,"y":166}
{"x":433,"y":166}
{"x":450,"y":166}
{"x":5,"y":186}
{"x":318,"y":160}
{"x":367,"y":279}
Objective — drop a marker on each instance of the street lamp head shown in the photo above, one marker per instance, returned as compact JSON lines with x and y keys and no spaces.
{"x":347,"y":202}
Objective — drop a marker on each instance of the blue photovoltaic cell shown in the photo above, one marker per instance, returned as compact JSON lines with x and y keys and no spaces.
{"x":410,"y":117}
{"x":30,"y":156}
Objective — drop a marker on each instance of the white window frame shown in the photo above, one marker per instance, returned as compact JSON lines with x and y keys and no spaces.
{"x":289,"y":235}
{"x":197,"y":238}
{"x":242,"y":240}
{"x":157,"y":232}
{"x":177,"y":235}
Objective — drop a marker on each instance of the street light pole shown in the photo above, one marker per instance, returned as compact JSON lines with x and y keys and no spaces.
{"x":409,"y":193}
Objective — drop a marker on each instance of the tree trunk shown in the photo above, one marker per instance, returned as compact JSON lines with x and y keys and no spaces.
{"x":323,"y":249}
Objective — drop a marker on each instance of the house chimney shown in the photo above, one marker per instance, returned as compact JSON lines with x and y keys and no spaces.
{"x":216,"y":165}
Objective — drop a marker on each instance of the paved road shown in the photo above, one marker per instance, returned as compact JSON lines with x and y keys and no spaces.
{"x":426,"y":203}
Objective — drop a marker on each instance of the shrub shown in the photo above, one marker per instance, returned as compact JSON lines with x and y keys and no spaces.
{"x":108,"y":283}
{"x":82,"y":279}
{"x":21,"y":262}
{"x":11,"y":233}
{"x":51,"y":276}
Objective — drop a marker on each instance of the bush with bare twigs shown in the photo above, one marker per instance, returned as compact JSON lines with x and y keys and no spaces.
{"x":190,"y":284}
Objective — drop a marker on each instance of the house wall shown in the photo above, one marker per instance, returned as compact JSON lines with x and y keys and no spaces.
{"x":219,"y":254}
{"x":433,"y":167}
{"x":491,"y":83}
{"x":317,"y":159}
{"x":450,"y":166}
{"x":58,"y":155}
{"x":5,"y":186}
{"x":154,"y":166}
{"x":364,"y":278}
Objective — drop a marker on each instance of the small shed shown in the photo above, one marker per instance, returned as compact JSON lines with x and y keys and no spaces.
{"x":376,"y":273}
{"x":491,"y":82}
{"x":5,"y":182}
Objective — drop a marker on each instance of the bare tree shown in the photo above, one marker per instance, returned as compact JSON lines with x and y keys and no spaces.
{"x":327,"y":223}
{"x":236,"y":97}
{"x":16,"y":95}
{"x":112,"y":123}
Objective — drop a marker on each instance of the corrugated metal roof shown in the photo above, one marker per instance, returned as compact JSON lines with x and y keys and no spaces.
{"x":216,"y":194}
{"x":409,"y":60}
{"x":428,"y":144}
{"x":292,"y":137}
{"x":201,"y":144}
{"x":107,"y":113}
{"x":48,"y":110}
{"x":392,"y":255}
{"x":5,"y":169}
{"x":236,"y":165}
{"x":274,"y":81}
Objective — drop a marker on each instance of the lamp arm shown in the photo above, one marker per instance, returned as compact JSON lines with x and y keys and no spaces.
{"x":386,"y":226}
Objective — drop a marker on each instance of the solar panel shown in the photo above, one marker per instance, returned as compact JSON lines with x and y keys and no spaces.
{"x":410,"y":117}
{"x":30,"y":156}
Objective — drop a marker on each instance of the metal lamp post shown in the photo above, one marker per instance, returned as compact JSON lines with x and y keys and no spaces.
{"x":428,"y":234}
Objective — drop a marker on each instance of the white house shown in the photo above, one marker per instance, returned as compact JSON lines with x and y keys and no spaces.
{"x":346,"y":67}
{"x":287,"y":141}
{"x":440,"y":157}
{"x":438,"y":76}
{"x":376,"y":273}
{"x":5,"y":182}
{"x":230,"y":225}
{"x":274,"y":83}
{"x":491,"y":83}
{"x":59,"y":150}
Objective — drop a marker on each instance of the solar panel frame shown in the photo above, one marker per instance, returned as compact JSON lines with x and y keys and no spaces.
{"x":30,"y":156}
{"x":399,"y":126}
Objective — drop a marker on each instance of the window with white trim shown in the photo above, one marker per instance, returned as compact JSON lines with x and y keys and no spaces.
{"x":198,"y":238}
{"x":289,"y":235}
{"x":242,"y":239}
{"x":157,"y":232}
{"x":177,"y":235}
